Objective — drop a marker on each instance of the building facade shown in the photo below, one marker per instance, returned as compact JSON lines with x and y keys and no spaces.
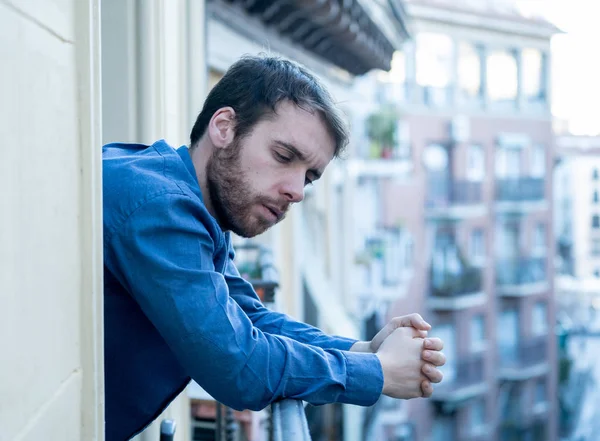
{"x":472,"y":91}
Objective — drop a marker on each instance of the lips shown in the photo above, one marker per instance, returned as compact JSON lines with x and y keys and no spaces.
{"x":276,"y":212}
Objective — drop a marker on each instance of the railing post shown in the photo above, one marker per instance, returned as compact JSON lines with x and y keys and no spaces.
{"x":167,"y":430}
{"x":289,"y":421}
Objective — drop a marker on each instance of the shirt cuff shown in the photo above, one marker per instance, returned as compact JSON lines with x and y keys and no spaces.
{"x":364,"y":379}
{"x":341,"y":343}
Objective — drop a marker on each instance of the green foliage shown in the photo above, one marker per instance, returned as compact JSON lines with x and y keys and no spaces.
{"x":382,"y":127}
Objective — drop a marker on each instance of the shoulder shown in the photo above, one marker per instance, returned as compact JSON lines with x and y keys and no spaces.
{"x":135,"y":176}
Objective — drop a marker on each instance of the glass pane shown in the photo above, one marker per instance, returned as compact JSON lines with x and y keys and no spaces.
{"x":540,"y":319}
{"x":540,"y":391}
{"x":469,"y":69}
{"x":434,"y":60}
{"x":477,"y":333}
{"x":532,"y":73}
{"x":502,"y":75}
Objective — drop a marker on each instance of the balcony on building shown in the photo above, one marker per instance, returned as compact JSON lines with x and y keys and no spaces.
{"x":466,"y":382}
{"x":451,"y":291}
{"x":384,"y":266}
{"x":520,"y":195}
{"x":523,"y":276}
{"x":527,"y":359}
{"x":255,"y":264}
{"x":522,"y":426}
{"x":453,"y":199}
{"x":384,"y":148}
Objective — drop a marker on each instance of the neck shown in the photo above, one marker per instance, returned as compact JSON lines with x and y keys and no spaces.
{"x":200,"y":157}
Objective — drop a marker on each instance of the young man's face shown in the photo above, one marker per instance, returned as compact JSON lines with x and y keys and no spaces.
{"x":253,"y":181}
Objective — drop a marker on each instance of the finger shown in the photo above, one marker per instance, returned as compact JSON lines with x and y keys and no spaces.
{"x":435,"y":344}
{"x":415,"y":320}
{"x":426,"y":389}
{"x":434,"y":357}
{"x":434,"y":375}
{"x":417,"y":333}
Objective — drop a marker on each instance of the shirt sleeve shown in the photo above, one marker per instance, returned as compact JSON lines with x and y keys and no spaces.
{"x":162,"y":253}
{"x":274,"y":322}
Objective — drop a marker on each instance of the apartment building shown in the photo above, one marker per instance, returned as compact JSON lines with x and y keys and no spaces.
{"x":577,"y":222}
{"x":472,"y":91}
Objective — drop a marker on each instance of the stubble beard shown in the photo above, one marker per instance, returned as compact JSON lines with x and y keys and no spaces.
{"x":231,"y":194}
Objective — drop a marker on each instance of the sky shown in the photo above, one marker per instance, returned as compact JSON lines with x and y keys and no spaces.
{"x":576,"y":60}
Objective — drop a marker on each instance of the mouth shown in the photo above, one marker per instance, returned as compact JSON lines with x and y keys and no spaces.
{"x":275,"y":213}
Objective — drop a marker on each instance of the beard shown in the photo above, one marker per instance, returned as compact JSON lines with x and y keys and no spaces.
{"x":231,"y":193}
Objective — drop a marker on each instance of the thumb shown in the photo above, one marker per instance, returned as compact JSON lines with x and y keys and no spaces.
{"x":412,"y":320}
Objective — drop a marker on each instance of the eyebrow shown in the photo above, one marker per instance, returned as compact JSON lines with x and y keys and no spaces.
{"x":295,"y":151}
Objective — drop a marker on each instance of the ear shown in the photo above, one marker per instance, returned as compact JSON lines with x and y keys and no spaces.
{"x":221,"y":127}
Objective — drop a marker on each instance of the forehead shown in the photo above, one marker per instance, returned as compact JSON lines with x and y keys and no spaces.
{"x":306,"y":130}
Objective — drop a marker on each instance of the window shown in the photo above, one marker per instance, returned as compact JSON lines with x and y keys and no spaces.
{"x":540,"y":395}
{"x":447,"y":333}
{"x":393,"y":80}
{"x":595,"y":197}
{"x":477,"y":333}
{"x":508,"y":334}
{"x":595,"y":248}
{"x":475,"y":163}
{"x":595,"y":174}
{"x":477,"y":415}
{"x":533,"y":64}
{"x":508,"y":163}
{"x":539,"y":324}
{"x":502,"y":75}
{"x":434,"y":59}
{"x":538,"y":161}
{"x":434,"y":69}
{"x":595,"y":221}
{"x":469,"y":71}
{"x":539,"y":237}
{"x":597,"y":273}
{"x":477,"y":245}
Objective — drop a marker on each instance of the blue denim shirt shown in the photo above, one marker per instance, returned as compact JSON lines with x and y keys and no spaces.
{"x":176,"y":307}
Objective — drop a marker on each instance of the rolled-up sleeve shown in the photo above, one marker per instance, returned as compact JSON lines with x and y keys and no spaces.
{"x":162,"y":253}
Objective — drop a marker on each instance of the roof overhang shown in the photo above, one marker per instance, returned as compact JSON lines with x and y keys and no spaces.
{"x":355,"y":35}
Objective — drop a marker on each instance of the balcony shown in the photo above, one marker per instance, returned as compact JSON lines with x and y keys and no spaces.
{"x":454,"y":199}
{"x":468,"y":382}
{"x":255,"y":264}
{"x":523,"y":427}
{"x":521,"y":277}
{"x":520,"y":195}
{"x":450,"y":292}
{"x":525,"y":360}
{"x":385,"y":150}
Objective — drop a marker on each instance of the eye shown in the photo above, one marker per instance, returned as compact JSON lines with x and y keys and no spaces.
{"x":281,"y":158}
{"x":308,"y":181}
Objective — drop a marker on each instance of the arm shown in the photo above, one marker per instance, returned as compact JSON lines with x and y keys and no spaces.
{"x":274,"y":322}
{"x":163,"y":255}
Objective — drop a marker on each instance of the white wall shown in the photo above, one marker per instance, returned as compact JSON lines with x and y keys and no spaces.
{"x":50,"y":222}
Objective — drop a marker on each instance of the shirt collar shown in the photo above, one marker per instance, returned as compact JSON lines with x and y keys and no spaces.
{"x":184,"y":154}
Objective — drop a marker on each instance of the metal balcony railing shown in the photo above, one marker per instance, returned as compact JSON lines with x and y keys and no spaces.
{"x":469,"y":372}
{"x":288,"y":421}
{"x":520,"y":190}
{"x":467,"y":281}
{"x":525,"y":354}
{"x":444,"y":192}
{"x":521,"y":271}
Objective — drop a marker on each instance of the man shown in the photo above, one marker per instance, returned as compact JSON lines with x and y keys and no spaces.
{"x":175,"y":305}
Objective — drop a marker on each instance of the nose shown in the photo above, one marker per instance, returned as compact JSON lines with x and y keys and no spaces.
{"x":293,"y":189}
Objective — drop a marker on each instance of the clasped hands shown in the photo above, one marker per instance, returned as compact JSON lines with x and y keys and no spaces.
{"x":409,"y":359}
